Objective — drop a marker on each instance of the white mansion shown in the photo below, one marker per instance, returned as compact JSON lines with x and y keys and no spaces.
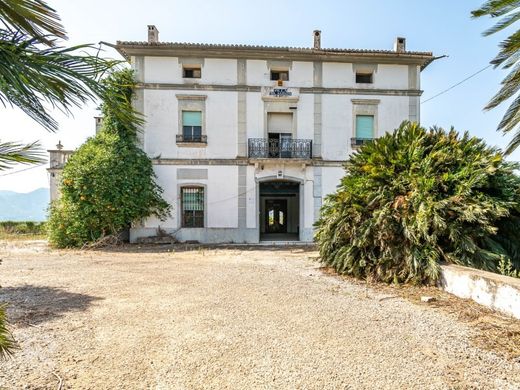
{"x":247,"y":141}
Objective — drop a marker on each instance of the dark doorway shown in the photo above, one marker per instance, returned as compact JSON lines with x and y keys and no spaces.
{"x":279,"y":210}
{"x":276,"y":216}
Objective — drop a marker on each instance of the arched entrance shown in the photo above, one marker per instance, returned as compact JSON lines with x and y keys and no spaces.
{"x":279,"y":210}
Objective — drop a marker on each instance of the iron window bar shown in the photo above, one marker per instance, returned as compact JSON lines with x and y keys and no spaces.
{"x":357,"y":142}
{"x":182,"y":138}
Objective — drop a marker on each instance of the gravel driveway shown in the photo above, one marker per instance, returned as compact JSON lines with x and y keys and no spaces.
{"x":224,"y":319}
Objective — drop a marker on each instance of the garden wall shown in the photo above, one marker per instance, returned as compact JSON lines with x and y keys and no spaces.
{"x":495,"y":291}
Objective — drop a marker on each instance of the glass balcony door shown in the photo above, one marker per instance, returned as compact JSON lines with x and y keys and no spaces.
{"x":280,"y":145}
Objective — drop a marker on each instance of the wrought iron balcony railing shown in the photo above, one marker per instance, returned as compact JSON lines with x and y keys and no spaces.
{"x":284,"y":148}
{"x":357,"y":142}
{"x":201,"y":139}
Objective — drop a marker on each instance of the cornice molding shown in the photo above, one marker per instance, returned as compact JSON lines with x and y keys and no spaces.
{"x":306,"y":90}
{"x":211,"y":51}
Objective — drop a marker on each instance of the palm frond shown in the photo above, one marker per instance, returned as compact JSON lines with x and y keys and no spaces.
{"x":513,"y":144}
{"x":7,"y":342}
{"x":32,"y":17}
{"x":506,"y":21}
{"x":507,"y":57}
{"x":495,"y":8}
{"x":13,"y":153}
{"x":59,"y":76}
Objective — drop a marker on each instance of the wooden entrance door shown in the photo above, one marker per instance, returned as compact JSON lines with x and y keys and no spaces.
{"x":276,"y":215}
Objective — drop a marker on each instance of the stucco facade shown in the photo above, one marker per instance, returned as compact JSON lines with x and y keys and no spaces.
{"x":273,"y":128}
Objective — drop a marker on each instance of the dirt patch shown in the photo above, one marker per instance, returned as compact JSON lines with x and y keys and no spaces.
{"x":196,"y":317}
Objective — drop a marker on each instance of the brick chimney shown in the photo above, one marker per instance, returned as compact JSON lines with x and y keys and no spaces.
{"x":153,"y":34}
{"x":400,"y":45}
{"x":317,"y":39}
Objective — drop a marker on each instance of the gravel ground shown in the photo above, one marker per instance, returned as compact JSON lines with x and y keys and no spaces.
{"x":236,"y":318}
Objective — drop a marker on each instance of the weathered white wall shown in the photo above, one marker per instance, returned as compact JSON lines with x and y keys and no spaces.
{"x":219,"y":71}
{"x":391,"y":112}
{"x":391,"y":76}
{"x":252,"y":210}
{"x":162,"y":125}
{"x":497,"y":292}
{"x":257,"y":73}
{"x":338,"y":75}
{"x":162,"y":70}
{"x":336,"y":126}
{"x":330,"y":178}
{"x":255,"y":115}
{"x":221,"y":195}
{"x":305,"y":117}
{"x":338,"y":121}
{"x":301,"y":74}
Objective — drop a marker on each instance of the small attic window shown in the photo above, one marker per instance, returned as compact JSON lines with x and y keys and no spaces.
{"x":191,"y":72}
{"x":280,"y":75}
{"x":364,"y":78}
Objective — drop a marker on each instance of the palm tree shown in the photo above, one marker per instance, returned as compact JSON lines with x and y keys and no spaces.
{"x":35,"y":73}
{"x":508,"y":11}
{"x":14,"y":153}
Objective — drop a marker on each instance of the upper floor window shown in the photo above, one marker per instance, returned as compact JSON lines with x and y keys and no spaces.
{"x":192,"y":126}
{"x":364,"y":127}
{"x":192,"y":203}
{"x":279,"y":75}
{"x":191,"y":72}
{"x":364,"y":78}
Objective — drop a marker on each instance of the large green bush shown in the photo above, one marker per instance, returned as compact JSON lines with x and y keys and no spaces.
{"x":109,"y":182}
{"x":418,"y":197}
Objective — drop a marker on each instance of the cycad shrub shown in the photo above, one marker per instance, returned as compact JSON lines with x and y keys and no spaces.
{"x":417,"y":197}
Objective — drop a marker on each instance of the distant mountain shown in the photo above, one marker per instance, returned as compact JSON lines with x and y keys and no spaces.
{"x":31,"y":206}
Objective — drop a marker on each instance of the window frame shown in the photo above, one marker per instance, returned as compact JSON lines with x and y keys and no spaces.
{"x":364,"y":107}
{"x":191,"y":102}
{"x":360,"y":75}
{"x":279,"y":72}
{"x":198,"y":221}
{"x":192,"y":69}
{"x":373,"y":126}
{"x":191,"y":128}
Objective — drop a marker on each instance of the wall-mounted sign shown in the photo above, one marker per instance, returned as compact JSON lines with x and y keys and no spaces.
{"x":278,"y":92}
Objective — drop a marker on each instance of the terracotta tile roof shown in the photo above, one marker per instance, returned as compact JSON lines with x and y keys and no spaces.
{"x":186,"y":45}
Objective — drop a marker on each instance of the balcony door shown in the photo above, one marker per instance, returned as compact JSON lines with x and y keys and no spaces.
{"x":279,"y":134}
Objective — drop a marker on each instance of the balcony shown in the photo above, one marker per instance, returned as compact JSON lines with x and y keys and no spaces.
{"x":183,"y":139}
{"x":357,"y":142}
{"x":280,"y":148}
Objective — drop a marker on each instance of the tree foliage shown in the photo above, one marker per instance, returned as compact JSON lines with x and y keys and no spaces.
{"x":108,"y":183}
{"x":508,"y":11}
{"x":418,"y":197}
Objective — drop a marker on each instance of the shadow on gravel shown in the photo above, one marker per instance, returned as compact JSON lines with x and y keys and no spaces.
{"x":32,"y":305}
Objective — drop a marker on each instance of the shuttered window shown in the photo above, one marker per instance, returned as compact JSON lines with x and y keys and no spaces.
{"x":192,"y":201}
{"x":279,"y":122}
{"x":364,"y":126}
{"x":192,"y":126}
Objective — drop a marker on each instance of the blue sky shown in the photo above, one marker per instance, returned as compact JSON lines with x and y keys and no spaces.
{"x":441,"y":26}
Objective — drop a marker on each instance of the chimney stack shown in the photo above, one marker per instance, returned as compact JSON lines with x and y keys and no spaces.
{"x":400,"y":45}
{"x":317,"y":39}
{"x":153,"y":34}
